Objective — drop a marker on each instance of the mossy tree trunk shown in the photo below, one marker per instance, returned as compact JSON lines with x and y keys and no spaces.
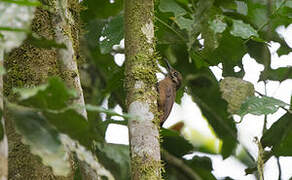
{"x":141,"y":91}
{"x":3,"y":137}
{"x":28,"y":66}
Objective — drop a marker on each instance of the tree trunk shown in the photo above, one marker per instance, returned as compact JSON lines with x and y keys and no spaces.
{"x":3,"y":137}
{"x":141,"y":91}
{"x":28,"y":66}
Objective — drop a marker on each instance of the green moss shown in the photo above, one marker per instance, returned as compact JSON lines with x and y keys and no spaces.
{"x":146,"y":169}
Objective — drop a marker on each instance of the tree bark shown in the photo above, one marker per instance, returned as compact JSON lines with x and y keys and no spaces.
{"x":141,"y":91}
{"x":3,"y":139}
{"x":66,"y":29}
{"x":28,"y":66}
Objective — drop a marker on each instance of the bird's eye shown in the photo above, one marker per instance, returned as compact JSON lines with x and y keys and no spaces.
{"x":175,"y":73}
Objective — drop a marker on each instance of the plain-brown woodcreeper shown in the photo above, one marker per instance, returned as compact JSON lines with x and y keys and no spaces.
{"x":167,"y":92}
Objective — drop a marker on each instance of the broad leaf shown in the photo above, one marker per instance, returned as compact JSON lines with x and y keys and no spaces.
{"x":277,"y":132}
{"x":279,"y":74}
{"x":260,"y":106}
{"x":101,"y":9}
{"x":171,"y":6}
{"x":217,"y":25}
{"x":172,"y":140}
{"x":41,"y":137}
{"x":243,"y":30}
{"x":279,"y":136}
{"x":116,"y":158}
{"x":53,"y":95}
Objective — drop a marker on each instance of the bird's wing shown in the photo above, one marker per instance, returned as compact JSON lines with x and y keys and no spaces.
{"x":169,"y":100}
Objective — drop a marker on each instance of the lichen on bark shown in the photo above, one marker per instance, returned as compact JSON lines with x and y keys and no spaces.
{"x":140,"y":81}
{"x":28,"y":66}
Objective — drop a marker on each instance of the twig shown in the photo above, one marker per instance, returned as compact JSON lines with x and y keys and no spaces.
{"x":180,"y":164}
{"x":169,"y":27}
{"x":279,"y":168}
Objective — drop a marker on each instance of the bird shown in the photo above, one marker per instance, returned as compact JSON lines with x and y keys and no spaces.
{"x":167,"y":89}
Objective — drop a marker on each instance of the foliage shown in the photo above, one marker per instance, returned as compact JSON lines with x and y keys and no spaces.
{"x":230,"y":29}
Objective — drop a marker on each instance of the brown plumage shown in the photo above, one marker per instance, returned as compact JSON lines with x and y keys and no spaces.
{"x":167,"y":91}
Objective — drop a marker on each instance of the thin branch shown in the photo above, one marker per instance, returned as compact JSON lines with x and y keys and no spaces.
{"x":180,"y":164}
{"x":279,"y":168}
{"x":169,"y":27}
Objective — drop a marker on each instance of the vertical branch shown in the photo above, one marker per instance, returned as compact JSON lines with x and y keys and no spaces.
{"x":3,"y":137}
{"x":141,"y":92}
{"x":62,"y":22}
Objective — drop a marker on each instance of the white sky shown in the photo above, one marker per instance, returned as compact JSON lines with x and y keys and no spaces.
{"x":250,"y":127}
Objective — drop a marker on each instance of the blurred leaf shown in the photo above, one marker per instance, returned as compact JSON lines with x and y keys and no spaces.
{"x":172,"y":140}
{"x":85,"y":156}
{"x":42,"y":42}
{"x":260,"y":106}
{"x":41,"y":137}
{"x":230,"y":51}
{"x":2,"y":70}
{"x":284,"y":49}
{"x":217,"y":25}
{"x":53,"y":95}
{"x":14,"y":16}
{"x":115,"y":157}
{"x":184,"y":23}
{"x":279,"y":136}
{"x":203,"y":166}
{"x":100,"y":9}
{"x":112,"y":34}
{"x":171,"y":6}
{"x":23,"y":2}
{"x":259,"y":51}
{"x":73,"y":124}
{"x":277,"y":132}
{"x":243,"y":30}
{"x":279,"y":74}
{"x":107,"y":111}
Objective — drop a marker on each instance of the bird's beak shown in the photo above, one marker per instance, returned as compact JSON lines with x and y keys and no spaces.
{"x":168,"y":65}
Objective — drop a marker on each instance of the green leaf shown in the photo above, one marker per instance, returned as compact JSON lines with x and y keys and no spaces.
{"x":277,"y":132}
{"x":42,"y":42}
{"x":279,"y":74}
{"x":23,"y":2}
{"x":184,"y":23}
{"x":243,"y":30}
{"x":112,"y":34}
{"x":260,"y":106}
{"x":259,"y":51}
{"x":171,"y":6}
{"x":279,"y":136}
{"x":203,"y":166}
{"x":100,"y":9}
{"x":41,"y":137}
{"x":217,"y":25}
{"x":116,"y":158}
{"x":14,"y":17}
{"x":53,"y":95}
{"x":172,"y":140}
{"x":71,"y":123}
{"x":2,"y":70}
{"x":284,"y":49}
